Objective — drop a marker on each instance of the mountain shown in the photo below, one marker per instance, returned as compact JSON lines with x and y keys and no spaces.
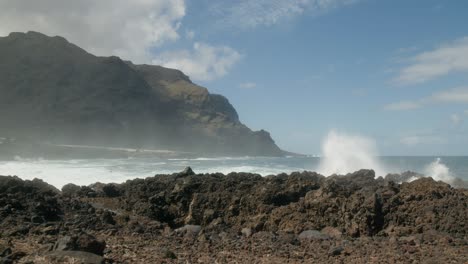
{"x":54,"y":91}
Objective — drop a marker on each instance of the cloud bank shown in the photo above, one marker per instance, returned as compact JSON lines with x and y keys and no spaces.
{"x":106,"y":27}
{"x":452,"y":96}
{"x":132,"y":30}
{"x":248,"y":14}
{"x":203,"y":62}
{"x":449,"y":58}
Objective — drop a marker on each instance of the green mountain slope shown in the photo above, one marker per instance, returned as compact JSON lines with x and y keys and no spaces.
{"x":53,"y":91}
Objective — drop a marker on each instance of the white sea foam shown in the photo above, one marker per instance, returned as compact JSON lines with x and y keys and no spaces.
{"x":213,"y":159}
{"x":262,"y":170}
{"x":59,"y":173}
{"x":439,"y":171}
{"x":342,"y":154}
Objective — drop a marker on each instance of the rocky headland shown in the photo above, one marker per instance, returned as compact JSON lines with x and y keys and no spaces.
{"x":53,"y":91}
{"x":235,"y":218}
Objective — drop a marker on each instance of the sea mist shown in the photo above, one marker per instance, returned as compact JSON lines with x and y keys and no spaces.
{"x":343,"y":153}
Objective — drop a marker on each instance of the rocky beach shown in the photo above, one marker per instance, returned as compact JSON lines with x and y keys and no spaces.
{"x":236,"y":218}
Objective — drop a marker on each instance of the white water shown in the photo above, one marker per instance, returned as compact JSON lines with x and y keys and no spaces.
{"x":439,"y":171}
{"x":85,"y":172}
{"x":59,"y":173}
{"x":342,"y":154}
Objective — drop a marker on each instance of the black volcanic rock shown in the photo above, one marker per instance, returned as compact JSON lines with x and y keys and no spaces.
{"x":338,"y":219}
{"x":54,"y":91}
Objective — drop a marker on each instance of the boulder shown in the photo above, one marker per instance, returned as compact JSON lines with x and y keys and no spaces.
{"x":83,"y":242}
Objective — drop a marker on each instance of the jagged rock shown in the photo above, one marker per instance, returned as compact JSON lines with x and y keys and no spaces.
{"x":403,"y":177}
{"x":83,"y":242}
{"x":186,"y":172}
{"x":366,"y":217}
{"x":111,"y":190}
{"x":108,"y":218}
{"x":70,"y":190}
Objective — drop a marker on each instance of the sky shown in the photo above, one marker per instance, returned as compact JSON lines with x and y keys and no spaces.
{"x":395,"y":71}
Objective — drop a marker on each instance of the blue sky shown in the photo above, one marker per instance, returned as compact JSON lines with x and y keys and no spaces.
{"x":395,"y":71}
{"x":340,"y":69}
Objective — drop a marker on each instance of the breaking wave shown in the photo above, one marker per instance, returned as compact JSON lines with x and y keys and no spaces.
{"x":342,"y":154}
{"x":439,"y":171}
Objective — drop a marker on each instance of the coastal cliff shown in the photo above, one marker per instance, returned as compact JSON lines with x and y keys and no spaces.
{"x":53,"y":91}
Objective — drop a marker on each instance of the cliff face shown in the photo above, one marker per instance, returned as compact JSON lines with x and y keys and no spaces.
{"x":52,"y":90}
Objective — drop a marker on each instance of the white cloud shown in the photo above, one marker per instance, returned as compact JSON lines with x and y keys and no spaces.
{"x":452,"y":96}
{"x":248,"y":85}
{"x":458,"y":95}
{"x":106,"y":27}
{"x":204,"y":62}
{"x":247,"y":14}
{"x":449,"y":58}
{"x":456,"y":119}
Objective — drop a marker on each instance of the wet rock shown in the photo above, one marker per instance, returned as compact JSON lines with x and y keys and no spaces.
{"x":402,"y":177}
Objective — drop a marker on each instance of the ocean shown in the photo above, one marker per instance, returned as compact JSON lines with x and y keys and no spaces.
{"x":87,"y":171}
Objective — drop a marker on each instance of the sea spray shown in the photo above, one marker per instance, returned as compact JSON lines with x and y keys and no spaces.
{"x":439,"y":171}
{"x":342,"y":154}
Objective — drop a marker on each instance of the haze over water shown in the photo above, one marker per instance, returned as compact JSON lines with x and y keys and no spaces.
{"x":341,"y":154}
